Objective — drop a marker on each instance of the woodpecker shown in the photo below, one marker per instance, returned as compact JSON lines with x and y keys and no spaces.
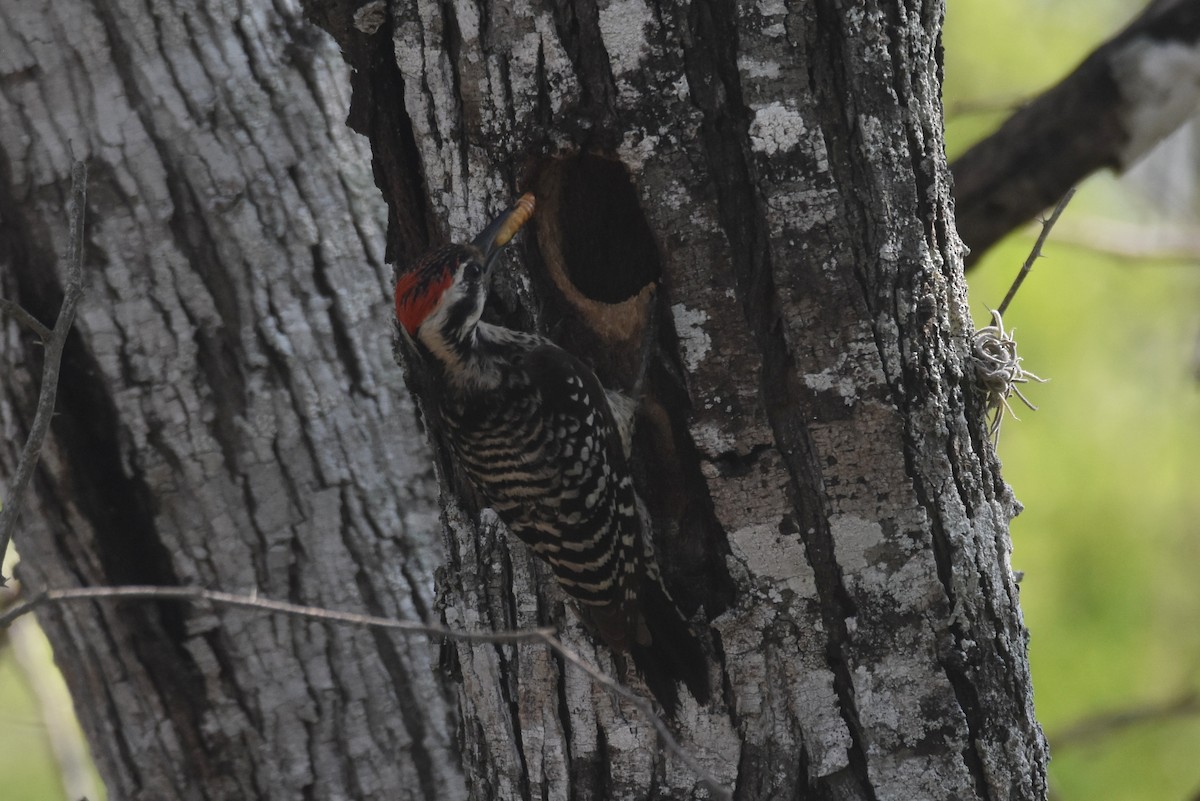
{"x":549,"y":449}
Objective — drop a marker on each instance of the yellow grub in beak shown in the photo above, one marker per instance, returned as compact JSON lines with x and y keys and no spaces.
{"x":520,"y":214}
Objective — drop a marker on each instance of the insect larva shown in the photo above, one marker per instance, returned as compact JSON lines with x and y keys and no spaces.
{"x":522,"y":210}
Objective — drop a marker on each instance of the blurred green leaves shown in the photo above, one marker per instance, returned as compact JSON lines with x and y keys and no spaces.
{"x":27,"y":768}
{"x":1109,"y":541}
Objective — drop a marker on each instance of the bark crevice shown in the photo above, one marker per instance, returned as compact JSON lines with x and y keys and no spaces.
{"x":713,"y":77}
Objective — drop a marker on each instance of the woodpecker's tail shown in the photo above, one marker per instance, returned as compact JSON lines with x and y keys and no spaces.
{"x":671,"y":653}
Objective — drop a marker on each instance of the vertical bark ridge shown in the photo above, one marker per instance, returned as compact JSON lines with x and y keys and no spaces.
{"x":714,"y":67}
{"x":232,"y":352}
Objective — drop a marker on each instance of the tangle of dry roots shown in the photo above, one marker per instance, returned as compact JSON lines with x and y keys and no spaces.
{"x":998,"y":368}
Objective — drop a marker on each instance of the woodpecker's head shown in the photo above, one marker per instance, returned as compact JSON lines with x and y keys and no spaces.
{"x":440,"y":298}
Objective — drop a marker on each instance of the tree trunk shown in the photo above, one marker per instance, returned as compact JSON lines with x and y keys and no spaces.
{"x":229,"y":412}
{"x":811,"y":444}
{"x":833,"y":506}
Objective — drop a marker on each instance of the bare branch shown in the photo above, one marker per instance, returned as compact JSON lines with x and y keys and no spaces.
{"x":1037,"y":250}
{"x":994,"y":350}
{"x":1123,"y":240}
{"x":1106,"y":114}
{"x":55,"y":343}
{"x":983,"y":105}
{"x":199,"y":594}
{"x":543,"y":635}
{"x":713,"y":783}
{"x":1089,"y":729}
{"x":17,"y":312}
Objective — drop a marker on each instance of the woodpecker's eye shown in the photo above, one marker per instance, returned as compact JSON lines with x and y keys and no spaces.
{"x":471,"y":271}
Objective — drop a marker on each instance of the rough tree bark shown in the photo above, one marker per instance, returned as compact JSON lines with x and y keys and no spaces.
{"x":229,"y":412}
{"x":834,"y":510}
{"x":811,"y":443}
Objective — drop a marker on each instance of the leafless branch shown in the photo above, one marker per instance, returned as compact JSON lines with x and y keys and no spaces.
{"x":1124,"y":240}
{"x":55,"y":343}
{"x":18,"y":313}
{"x":714,"y":784}
{"x":994,"y":350}
{"x":1093,"y":728}
{"x":983,"y":105}
{"x":1037,"y":250}
{"x":543,"y":635}
{"x":1097,"y":117}
{"x":200,"y":594}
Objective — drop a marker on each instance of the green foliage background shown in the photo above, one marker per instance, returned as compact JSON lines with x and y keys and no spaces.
{"x":27,"y":769}
{"x":1109,"y":541}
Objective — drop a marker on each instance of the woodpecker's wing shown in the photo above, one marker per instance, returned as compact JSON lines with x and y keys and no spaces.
{"x":644,"y":618}
{"x":549,"y":459}
{"x":546,"y":451}
{"x":594,"y":503}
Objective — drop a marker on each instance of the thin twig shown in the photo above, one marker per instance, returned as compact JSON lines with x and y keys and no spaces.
{"x":984,"y":105}
{"x":543,"y":635}
{"x":1037,"y":249}
{"x":714,"y":784}
{"x":1093,"y":728}
{"x":1132,"y":241}
{"x":51,"y":360}
{"x":198,"y":594}
{"x":18,"y":313}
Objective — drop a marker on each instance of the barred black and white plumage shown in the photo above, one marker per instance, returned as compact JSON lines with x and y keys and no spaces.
{"x":548,"y":447}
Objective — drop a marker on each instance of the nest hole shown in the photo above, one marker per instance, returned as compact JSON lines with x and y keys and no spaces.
{"x":608,"y":249}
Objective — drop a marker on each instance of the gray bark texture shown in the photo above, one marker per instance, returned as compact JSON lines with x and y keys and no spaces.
{"x":810,"y":444}
{"x":229,"y":412}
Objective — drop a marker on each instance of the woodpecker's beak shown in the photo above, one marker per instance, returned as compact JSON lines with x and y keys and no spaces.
{"x":502,"y":229}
